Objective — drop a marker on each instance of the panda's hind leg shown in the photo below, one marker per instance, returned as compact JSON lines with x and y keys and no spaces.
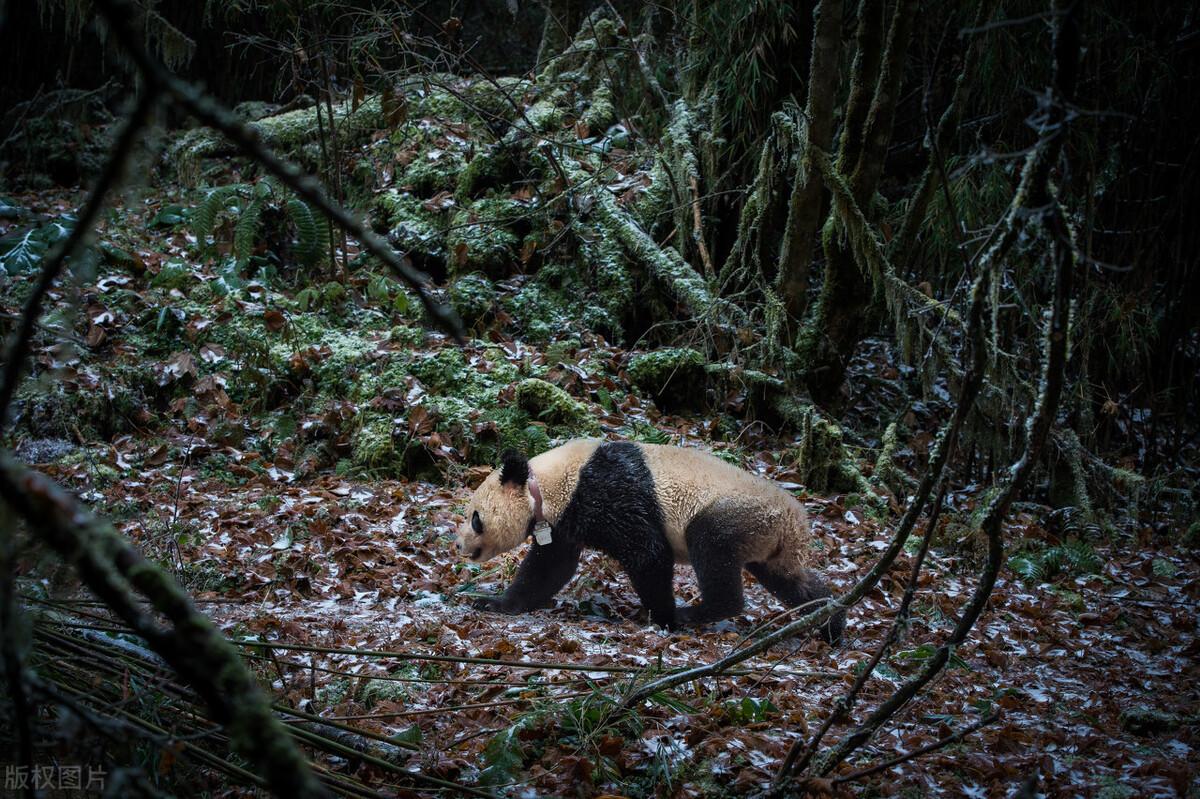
{"x":715,"y":540}
{"x":795,"y":586}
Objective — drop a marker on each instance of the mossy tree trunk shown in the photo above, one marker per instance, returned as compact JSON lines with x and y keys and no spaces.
{"x":562,"y":21}
{"x":838,"y":320}
{"x":804,"y":206}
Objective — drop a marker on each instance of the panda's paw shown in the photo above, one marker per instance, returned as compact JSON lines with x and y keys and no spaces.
{"x":495,"y":604}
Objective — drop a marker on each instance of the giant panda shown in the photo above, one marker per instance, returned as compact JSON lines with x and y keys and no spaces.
{"x":648,"y":506}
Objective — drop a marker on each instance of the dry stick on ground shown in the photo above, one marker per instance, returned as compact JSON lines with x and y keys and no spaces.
{"x":142,"y":661}
{"x":924,"y":750}
{"x":1036,"y":192}
{"x":117,"y":14}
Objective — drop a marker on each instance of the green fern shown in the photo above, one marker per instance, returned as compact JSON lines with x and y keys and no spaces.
{"x":246,"y":230}
{"x":246,"y":204}
{"x":23,"y":250}
{"x":204,"y":218}
{"x":312,"y":233}
{"x":1072,"y":557}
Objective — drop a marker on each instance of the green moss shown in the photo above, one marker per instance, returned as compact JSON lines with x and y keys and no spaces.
{"x":821,"y":459}
{"x":445,"y":371}
{"x":600,"y":113}
{"x":173,"y":275}
{"x":886,"y":470}
{"x":473,"y":296}
{"x":1148,"y":721}
{"x":490,"y":167}
{"x":47,"y":409}
{"x":372,"y":692}
{"x":539,"y":312}
{"x":548,"y":402}
{"x":434,"y":169}
{"x":288,"y":132}
{"x":479,"y":238}
{"x":546,"y":116}
{"x":411,"y":225}
{"x":562,"y":351}
{"x":407,"y":335}
{"x":675,"y":377}
{"x":373,"y":445}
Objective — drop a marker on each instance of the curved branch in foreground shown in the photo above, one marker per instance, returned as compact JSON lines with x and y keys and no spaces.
{"x":113,"y":569}
{"x":117,"y":14}
{"x":942,"y":450}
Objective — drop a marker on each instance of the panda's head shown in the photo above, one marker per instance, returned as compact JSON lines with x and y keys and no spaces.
{"x":500,"y":514}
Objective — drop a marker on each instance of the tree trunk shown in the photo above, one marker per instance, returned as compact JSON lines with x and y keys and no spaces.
{"x":804,"y":208}
{"x":838,"y":321}
{"x":562,"y":19}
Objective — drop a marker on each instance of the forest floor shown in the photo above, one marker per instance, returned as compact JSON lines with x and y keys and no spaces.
{"x":1094,"y":667}
{"x":1095,"y":675}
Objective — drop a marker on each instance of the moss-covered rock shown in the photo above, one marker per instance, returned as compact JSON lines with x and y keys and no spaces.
{"x":548,"y":402}
{"x":480,"y":239}
{"x":47,"y":409}
{"x":491,"y":167}
{"x":539,"y":312}
{"x":473,"y":297}
{"x":434,"y":169}
{"x":675,"y":377}
{"x":1147,"y":721}
{"x":412,"y":226}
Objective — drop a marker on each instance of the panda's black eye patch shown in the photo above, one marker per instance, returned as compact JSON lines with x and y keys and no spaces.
{"x":476,"y":523}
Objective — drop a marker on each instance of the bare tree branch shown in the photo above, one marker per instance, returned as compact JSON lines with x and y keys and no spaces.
{"x":1034,"y":189}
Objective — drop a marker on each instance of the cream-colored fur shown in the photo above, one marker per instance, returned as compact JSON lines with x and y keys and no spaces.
{"x":688,"y":481}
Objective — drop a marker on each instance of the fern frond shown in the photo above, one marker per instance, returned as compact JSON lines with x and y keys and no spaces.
{"x":1081,"y":556}
{"x":246,"y":230}
{"x":204,"y":218}
{"x":309,"y":229}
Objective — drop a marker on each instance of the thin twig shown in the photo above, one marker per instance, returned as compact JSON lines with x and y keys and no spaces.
{"x":924,"y":750}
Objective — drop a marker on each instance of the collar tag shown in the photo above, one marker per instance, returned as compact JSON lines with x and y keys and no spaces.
{"x":542,"y":535}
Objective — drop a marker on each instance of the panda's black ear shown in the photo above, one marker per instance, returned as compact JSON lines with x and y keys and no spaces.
{"x":514,"y":468}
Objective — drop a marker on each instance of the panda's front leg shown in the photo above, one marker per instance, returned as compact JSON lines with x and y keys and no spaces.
{"x":652,"y":579}
{"x":545,"y":570}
